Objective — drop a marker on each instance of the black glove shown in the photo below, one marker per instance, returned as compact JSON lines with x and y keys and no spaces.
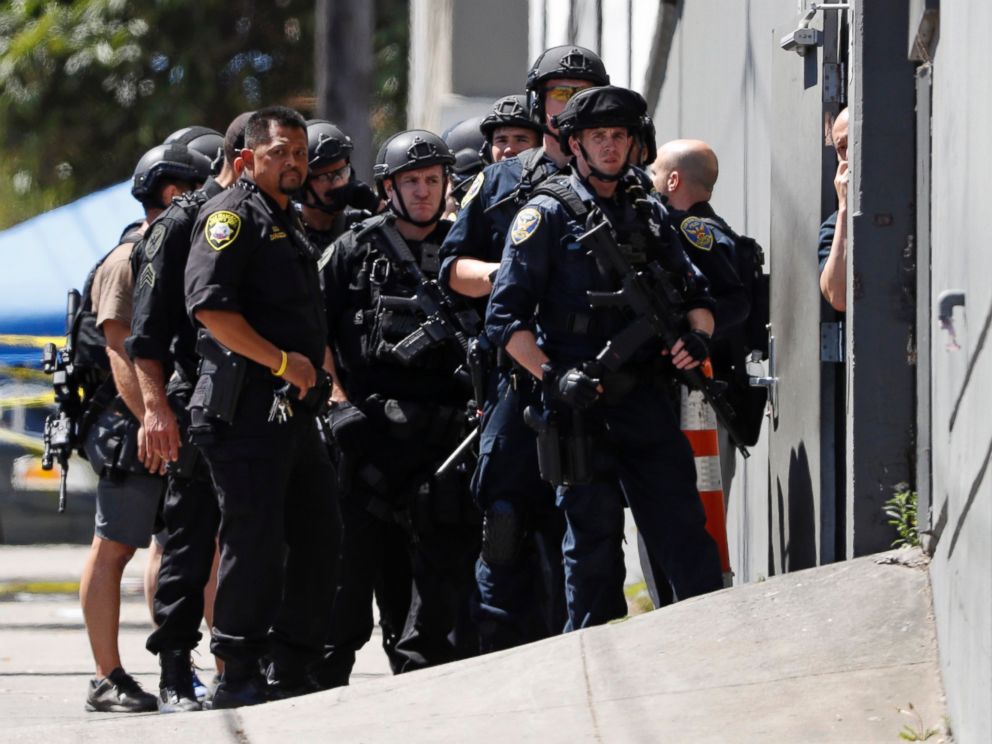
{"x":571,"y":386}
{"x":697,"y":344}
{"x":349,"y":427}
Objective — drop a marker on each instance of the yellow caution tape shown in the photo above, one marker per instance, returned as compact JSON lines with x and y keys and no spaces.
{"x":28,"y":401}
{"x":23,"y":373}
{"x":28,"y":442}
{"x":31,"y":342}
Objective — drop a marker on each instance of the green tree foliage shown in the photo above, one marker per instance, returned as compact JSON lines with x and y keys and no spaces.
{"x":86,"y":86}
{"x":391,"y":43}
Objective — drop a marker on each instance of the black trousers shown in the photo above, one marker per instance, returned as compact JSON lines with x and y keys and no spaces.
{"x":374,"y":558}
{"x":279,"y":538}
{"x":191,"y":516}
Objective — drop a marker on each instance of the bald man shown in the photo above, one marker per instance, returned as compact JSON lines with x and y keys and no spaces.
{"x":833,"y":231}
{"x":684,"y":174}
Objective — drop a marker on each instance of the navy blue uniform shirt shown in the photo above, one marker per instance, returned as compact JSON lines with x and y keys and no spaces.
{"x":827,"y":230}
{"x":710,"y":245}
{"x":545,"y":275}
{"x":479,"y":231}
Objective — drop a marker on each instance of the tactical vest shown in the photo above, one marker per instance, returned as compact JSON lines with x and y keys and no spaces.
{"x":389,"y":314}
{"x":633,"y":241}
{"x":535,"y":170}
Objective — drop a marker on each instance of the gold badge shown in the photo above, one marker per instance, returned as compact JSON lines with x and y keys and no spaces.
{"x":527,"y":221}
{"x":698,"y":233}
{"x":222,"y":229}
{"x":277,"y":234}
{"x":474,"y":189}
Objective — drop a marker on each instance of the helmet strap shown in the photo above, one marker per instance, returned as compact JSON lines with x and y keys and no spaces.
{"x":594,"y":171}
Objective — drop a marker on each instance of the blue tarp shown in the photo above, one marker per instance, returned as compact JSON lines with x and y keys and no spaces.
{"x":44,"y":257}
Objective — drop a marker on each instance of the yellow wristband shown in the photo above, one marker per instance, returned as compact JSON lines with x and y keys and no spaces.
{"x":282,"y":367}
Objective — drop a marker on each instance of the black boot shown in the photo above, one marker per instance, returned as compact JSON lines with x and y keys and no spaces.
{"x":175,"y":689}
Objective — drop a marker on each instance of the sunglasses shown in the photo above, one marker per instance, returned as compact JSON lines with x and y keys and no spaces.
{"x":562,"y":93}
{"x":340,"y":175}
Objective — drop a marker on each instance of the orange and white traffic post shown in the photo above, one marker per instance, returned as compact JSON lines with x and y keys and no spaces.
{"x":699,"y":427}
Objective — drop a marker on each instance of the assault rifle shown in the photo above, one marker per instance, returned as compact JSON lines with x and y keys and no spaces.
{"x":60,"y":426}
{"x":443,"y":321}
{"x":650,"y":295}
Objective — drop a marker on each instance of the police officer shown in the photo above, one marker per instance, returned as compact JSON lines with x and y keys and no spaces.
{"x":128,"y":492}
{"x":252,"y":282}
{"x":508,"y":129}
{"x":402,"y":411}
{"x":638,"y":452}
{"x":333,"y":198}
{"x":685,"y":173}
{"x":521,"y":529}
{"x":467,"y":144}
{"x":163,"y":338}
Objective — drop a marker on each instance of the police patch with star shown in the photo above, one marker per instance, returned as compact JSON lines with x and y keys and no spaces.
{"x":222,"y":229}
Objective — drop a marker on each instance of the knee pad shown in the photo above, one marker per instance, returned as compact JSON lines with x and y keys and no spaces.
{"x":502,"y":534}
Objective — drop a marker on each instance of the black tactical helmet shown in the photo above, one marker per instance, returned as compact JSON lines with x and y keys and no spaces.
{"x":411,"y":150}
{"x":466,"y":143}
{"x":567,"y":62}
{"x":326,"y":143}
{"x":649,"y":143}
{"x":508,"y":111}
{"x":605,"y":106}
{"x":206,"y":141}
{"x":172,"y":161}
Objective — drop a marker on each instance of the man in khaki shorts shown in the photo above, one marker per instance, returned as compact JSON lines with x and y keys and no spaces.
{"x":130,"y":488}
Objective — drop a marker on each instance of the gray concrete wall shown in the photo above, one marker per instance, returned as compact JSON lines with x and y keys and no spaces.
{"x":962,"y":396}
{"x":719,"y":88}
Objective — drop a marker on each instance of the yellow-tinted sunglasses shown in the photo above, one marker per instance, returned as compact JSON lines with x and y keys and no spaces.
{"x":562,"y":93}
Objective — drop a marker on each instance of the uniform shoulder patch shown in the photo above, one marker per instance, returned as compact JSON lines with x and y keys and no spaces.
{"x":222,"y":229}
{"x":698,"y":233}
{"x":154,"y":241}
{"x":474,"y":189}
{"x":527,"y":221}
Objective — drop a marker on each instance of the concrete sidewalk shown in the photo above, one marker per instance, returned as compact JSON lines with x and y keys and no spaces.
{"x":827,"y":655}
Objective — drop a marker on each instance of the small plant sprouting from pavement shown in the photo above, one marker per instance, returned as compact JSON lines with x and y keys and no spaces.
{"x":917,"y":731}
{"x":901,"y":511}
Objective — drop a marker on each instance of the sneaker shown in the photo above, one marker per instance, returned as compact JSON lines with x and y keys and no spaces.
{"x":238,"y":693}
{"x":199,"y":688}
{"x":118,"y":692}
{"x":175,"y":688}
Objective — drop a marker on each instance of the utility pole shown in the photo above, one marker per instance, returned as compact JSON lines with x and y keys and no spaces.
{"x":343,"y":57}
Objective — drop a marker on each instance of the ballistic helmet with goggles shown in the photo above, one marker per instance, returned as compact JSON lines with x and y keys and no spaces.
{"x":567,"y":62}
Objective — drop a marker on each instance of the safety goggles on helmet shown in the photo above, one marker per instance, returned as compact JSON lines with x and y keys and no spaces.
{"x":334,"y":177}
